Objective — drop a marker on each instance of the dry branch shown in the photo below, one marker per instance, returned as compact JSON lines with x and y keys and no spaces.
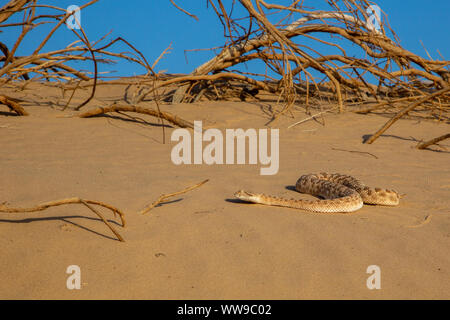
{"x":163,"y":197}
{"x":87,"y":203}
{"x":399,"y":72}
{"x":10,"y":8}
{"x":53,"y":64}
{"x":13,"y":105}
{"x":184,"y":11}
{"x":428,"y":143}
{"x":218,"y":76}
{"x":403,"y":112}
{"x":311,"y":117}
{"x":384,"y":103}
{"x":131,"y":108}
{"x":355,"y":151}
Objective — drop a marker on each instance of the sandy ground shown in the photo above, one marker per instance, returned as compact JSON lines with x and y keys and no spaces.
{"x":205,"y":245}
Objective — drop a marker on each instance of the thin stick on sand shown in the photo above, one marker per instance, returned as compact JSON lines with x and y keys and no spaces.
{"x":405,"y":111}
{"x":163,"y":197}
{"x":426,"y":144}
{"x":131,"y":108}
{"x":87,"y":203}
{"x":355,"y":151}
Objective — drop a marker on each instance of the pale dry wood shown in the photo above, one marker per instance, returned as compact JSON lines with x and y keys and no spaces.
{"x":191,"y":78}
{"x":311,"y":117}
{"x":184,"y":11}
{"x":13,"y":105}
{"x":39,"y":63}
{"x":384,"y":103}
{"x":10,"y":8}
{"x":273,"y":45}
{"x":163,"y":197}
{"x":356,"y":151}
{"x":428,"y":143}
{"x":174,"y":119}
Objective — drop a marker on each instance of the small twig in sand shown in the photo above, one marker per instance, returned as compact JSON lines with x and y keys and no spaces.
{"x":309,"y":118}
{"x":354,"y":151}
{"x":405,"y":111}
{"x":159,"y":114}
{"x":426,"y":144}
{"x":71,"y":96}
{"x":166,"y":51}
{"x":163,"y":197}
{"x":87,"y":203}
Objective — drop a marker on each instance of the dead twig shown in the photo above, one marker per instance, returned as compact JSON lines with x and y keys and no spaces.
{"x":13,"y":105}
{"x":401,"y":74}
{"x":132,"y":108}
{"x":425,"y":221}
{"x":428,"y":143}
{"x":403,"y":112}
{"x":163,"y":197}
{"x":309,"y":118}
{"x":384,"y":103}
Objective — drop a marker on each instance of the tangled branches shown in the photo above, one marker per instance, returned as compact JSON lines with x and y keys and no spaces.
{"x":385,"y":73}
{"x":308,"y":54}
{"x":54,"y":65}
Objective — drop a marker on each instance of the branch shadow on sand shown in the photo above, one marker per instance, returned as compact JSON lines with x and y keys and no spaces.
{"x":64,"y":219}
{"x":8,"y":114}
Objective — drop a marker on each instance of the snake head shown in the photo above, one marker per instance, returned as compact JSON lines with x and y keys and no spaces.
{"x":243,"y":195}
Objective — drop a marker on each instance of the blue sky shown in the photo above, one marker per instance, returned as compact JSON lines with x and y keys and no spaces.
{"x":151,"y":25}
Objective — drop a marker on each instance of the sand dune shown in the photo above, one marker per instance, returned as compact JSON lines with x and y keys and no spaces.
{"x":204,"y":244}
